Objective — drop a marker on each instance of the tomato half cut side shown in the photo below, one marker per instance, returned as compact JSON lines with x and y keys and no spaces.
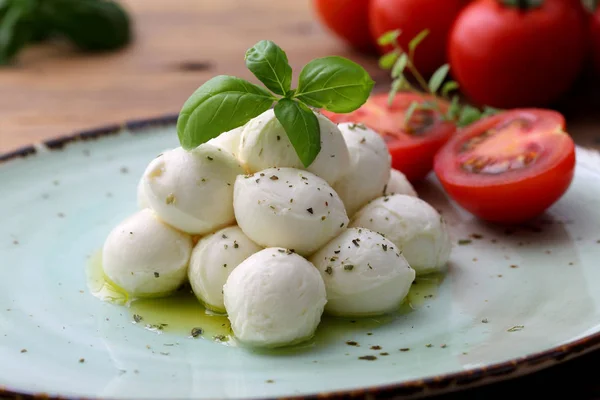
{"x":413,"y":145}
{"x":510,"y":167}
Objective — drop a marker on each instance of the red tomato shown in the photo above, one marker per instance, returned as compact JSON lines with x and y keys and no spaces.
{"x":347,"y":19}
{"x":412,"y":149}
{"x":412,"y":17}
{"x":595,"y":37}
{"x":506,"y":57}
{"x":510,"y":167}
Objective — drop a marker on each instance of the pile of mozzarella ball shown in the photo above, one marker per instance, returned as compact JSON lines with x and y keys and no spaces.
{"x":272,"y":244}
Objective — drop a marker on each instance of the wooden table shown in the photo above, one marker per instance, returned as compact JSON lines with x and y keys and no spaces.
{"x":53,"y":90}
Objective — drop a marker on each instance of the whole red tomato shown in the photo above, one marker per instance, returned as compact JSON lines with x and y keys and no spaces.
{"x":412,"y":17}
{"x":595,"y":37}
{"x":506,"y":56}
{"x":348,"y":20}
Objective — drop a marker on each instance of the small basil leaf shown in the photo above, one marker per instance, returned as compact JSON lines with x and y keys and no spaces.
{"x":448,"y":87}
{"x":302,"y":128}
{"x":387,"y":60}
{"x":454,"y":109}
{"x":487,"y":111}
{"x":410,"y":111}
{"x":335,"y":84}
{"x":221,"y":104}
{"x":388,"y":38}
{"x":438,"y":77}
{"x":269,"y":63}
{"x":399,"y":66}
{"x":468,"y":115}
{"x":412,"y":45}
{"x":396,"y":85}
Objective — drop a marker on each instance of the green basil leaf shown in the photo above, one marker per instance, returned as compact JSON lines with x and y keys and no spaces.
{"x":468,"y":115}
{"x":448,"y":87}
{"x":410,"y":111}
{"x":438,"y":77}
{"x":335,"y":84}
{"x":388,"y":38}
{"x":90,"y":24}
{"x":221,"y":104}
{"x":396,"y":85}
{"x":269,"y":63}
{"x":387,"y":60}
{"x":16,"y":27}
{"x":454,"y":109}
{"x":302,"y":128}
{"x":487,"y":111}
{"x":399,"y":66}
{"x":412,"y":45}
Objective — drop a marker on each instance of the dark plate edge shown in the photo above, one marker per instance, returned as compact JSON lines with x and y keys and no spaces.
{"x":414,"y":388}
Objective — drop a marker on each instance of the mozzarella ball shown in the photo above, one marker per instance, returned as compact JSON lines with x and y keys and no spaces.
{"x":146,"y":257}
{"x":142,"y":200}
{"x":369,"y":169}
{"x":264,"y":144}
{"x":213,"y":258}
{"x":193,"y":190}
{"x":228,"y":141}
{"x":274,"y":298}
{"x":288,"y":207}
{"x":415,"y":227}
{"x":364,"y":274}
{"x":398,"y":184}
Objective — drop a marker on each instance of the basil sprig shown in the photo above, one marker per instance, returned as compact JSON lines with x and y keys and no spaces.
{"x":225,"y":102}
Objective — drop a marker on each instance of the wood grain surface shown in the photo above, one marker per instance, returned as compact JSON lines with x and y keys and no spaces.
{"x":54,"y":90}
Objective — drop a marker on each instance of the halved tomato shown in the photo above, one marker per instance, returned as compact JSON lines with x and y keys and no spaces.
{"x":411,"y":145}
{"x":510,"y":167}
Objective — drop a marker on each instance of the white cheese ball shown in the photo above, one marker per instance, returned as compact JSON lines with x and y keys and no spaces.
{"x":146,"y":257}
{"x":398,"y":184}
{"x":369,"y":169}
{"x":264,"y":144}
{"x":415,"y":227}
{"x":213,"y":258}
{"x":364,"y":274}
{"x":288,"y":207}
{"x":193,"y":190}
{"x":274,"y":298}
{"x":142,"y":200}
{"x":228,"y":141}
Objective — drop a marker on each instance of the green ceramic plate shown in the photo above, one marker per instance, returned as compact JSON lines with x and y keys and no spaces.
{"x":514,"y":299}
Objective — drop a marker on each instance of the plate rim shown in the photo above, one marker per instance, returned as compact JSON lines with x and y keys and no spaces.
{"x":428,"y":386}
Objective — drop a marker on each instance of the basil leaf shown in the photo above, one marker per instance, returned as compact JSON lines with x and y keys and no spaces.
{"x":389,"y":37}
{"x":438,"y":77}
{"x":90,"y":24}
{"x":387,"y":60}
{"x":302,"y":128}
{"x":468,"y":115}
{"x":335,"y":84}
{"x":269,"y":63}
{"x":410,"y":111}
{"x":399,"y":66}
{"x":454,"y":109}
{"x":412,"y":45}
{"x":16,"y":24}
{"x":448,"y":87}
{"x":221,"y":104}
{"x":396,"y":85}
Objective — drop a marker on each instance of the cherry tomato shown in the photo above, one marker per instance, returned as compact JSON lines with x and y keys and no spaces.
{"x":412,"y":147}
{"x":347,"y":19}
{"x":507,"y":57}
{"x":509,"y":167}
{"x":412,"y":17}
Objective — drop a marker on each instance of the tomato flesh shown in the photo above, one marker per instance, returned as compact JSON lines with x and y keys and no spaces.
{"x":413,"y":145}
{"x":510,"y":167}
